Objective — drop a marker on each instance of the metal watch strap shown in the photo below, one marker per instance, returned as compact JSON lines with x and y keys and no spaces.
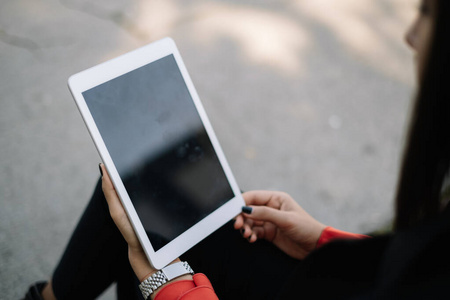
{"x":152,"y":283}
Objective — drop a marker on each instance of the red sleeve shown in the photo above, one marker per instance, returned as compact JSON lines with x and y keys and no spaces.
{"x":329,"y":234}
{"x":199,"y":288}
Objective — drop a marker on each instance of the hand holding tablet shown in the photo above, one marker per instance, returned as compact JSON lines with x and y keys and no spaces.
{"x":137,"y":257}
{"x":158,"y":146}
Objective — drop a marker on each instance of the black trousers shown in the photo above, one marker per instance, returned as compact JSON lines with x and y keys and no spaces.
{"x":97,"y":256}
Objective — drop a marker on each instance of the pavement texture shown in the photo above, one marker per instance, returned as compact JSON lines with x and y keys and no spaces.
{"x":310,"y":97}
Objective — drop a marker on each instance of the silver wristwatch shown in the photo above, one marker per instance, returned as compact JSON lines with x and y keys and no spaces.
{"x":152,"y":283}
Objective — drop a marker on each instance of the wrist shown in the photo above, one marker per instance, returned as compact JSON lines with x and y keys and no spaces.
{"x":176,"y":271}
{"x":140,"y":264}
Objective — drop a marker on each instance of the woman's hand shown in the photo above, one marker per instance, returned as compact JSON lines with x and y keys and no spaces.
{"x":276,"y":217}
{"x":139,"y":262}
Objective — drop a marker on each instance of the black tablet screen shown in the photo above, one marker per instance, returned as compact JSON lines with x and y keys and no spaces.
{"x":160,"y":148}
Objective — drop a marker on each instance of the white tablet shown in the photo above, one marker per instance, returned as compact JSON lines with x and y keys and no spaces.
{"x":154,"y":137}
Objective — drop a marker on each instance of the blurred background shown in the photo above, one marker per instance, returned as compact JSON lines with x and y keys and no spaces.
{"x":310,"y":97}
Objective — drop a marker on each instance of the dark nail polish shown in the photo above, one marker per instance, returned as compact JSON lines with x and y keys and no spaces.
{"x":242,"y":231}
{"x":247,"y":210}
{"x":100,"y":168}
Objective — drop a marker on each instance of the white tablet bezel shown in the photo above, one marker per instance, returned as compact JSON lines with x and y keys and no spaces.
{"x":111,"y":69}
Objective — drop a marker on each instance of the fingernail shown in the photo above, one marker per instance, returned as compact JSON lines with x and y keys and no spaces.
{"x":100,"y":168}
{"x":242,"y":230}
{"x":247,"y":210}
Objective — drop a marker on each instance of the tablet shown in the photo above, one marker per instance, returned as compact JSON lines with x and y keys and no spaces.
{"x":153,"y":135}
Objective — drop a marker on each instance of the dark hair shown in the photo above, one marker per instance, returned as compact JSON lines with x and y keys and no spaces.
{"x":426,"y":158}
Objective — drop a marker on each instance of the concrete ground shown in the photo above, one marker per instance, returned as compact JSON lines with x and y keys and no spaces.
{"x":310,"y":97}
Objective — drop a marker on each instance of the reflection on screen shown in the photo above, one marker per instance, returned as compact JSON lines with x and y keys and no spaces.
{"x":160,"y":148}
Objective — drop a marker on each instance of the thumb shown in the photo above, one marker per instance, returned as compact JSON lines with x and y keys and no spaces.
{"x":267,"y":214}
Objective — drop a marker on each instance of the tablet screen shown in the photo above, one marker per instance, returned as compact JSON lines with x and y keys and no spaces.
{"x":161,"y":150}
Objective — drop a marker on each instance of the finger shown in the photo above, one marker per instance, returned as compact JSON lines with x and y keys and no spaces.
{"x":238,"y":222}
{"x":264,"y":198}
{"x":114,"y":204}
{"x":253,"y":238}
{"x":107,"y":185}
{"x":258,"y":223}
{"x":246,"y":229}
{"x":258,"y":232}
{"x":261,"y":214}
